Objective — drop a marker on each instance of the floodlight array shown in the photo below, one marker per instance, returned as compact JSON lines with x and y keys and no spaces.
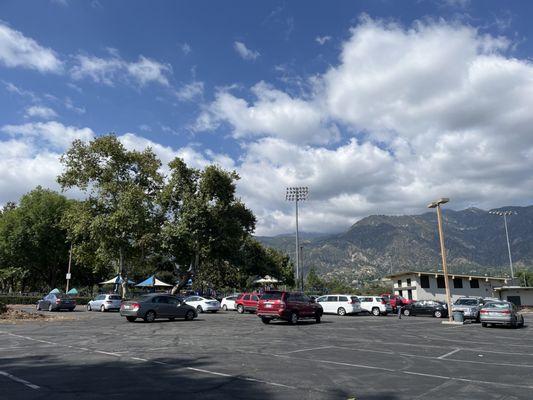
{"x":298,"y":193}
{"x":502,"y":213}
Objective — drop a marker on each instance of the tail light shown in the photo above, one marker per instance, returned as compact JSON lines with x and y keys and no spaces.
{"x":505,"y":312}
{"x":383,"y":302}
{"x":109,"y":302}
{"x":282,"y":305}
{"x":135,"y":306}
{"x":483,"y":312}
{"x":58,"y":301}
{"x":74,"y":302}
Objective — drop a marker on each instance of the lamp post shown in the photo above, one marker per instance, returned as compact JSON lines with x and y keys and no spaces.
{"x":505,"y":214}
{"x":69,"y":264}
{"x":437,"y":204}
{"x":302,"y":268}
{"x":296,"y":194}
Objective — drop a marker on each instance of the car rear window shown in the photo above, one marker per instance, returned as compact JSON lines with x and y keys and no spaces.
{"x":343,"y":298}
{"x":271,"y":296}
{"x":115,"y":298}
{"x":466,"y":302}
{"x":502,"y":306}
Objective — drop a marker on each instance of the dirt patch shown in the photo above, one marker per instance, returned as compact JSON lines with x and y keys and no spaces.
{"x":13,"y":315}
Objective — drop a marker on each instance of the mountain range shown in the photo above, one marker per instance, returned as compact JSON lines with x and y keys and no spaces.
{"x":379,"y":244}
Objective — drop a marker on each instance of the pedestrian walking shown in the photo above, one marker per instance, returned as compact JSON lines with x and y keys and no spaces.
{"x":400,"y":312}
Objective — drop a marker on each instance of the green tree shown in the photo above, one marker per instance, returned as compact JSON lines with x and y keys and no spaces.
{"x":205,"y":225}
{"x":313,"y":283}
{"x":117,"y":224}
{"x":524,"y":277}
{"x":33,"y":244}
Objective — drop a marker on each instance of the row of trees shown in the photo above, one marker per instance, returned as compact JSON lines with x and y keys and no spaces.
{"x":134,"y":220}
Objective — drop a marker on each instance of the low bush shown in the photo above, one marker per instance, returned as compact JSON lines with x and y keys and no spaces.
{"x":34,"y":299}
{"x":3,"y":307}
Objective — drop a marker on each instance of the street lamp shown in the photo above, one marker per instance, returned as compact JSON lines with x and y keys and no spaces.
{"x":437,"y":204}
{"x":297,"y":194}
{"x":505,"y":214}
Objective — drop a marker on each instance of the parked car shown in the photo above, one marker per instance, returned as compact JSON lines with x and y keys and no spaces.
{"x":151,"y":306}
{"x":376,"y":305}
{"x":470,"y":306}
{"x":341,"y":304}
{"x":105,"y":302}
{"x":228,"y":303}
{"x":56,"y":302}
{"x":203,"y":304}
{"x":501,"y":313}
{"x":247,"y":302}
{"x":287,"y":306}
{"x":396,"y":301}
{"x":426,"y":307}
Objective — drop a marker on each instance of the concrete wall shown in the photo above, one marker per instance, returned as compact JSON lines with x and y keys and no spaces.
{"x":526,"y":295}
{"x":486,"y":288}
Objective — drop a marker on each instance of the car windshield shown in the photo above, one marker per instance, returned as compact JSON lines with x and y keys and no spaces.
{"x":271,"y":296}
{"x":466,"y":302}
{"x":498,"y":305}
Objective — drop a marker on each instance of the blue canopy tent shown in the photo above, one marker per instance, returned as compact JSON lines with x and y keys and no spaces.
{"x":56,"y":290}
{"x":73,"y":291}
{"x":152,"y":282}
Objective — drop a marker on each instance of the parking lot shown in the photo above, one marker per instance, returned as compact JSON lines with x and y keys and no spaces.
{"x":232,"y":356}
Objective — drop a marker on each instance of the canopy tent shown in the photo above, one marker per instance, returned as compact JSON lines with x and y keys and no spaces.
{"x":73,"y":291}
{"x":152,"y":281}
{"x":266,"y":279}
{"x":117,"y":280}
{"x":56,"y":290}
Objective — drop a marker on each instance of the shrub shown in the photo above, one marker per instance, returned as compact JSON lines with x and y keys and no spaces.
{"x":9,"y":299}
{"x":3,"y":307}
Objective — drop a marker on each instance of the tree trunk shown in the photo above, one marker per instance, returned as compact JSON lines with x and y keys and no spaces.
{"x":185,"y":277}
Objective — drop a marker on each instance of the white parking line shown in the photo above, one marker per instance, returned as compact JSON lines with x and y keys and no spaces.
{"x":20,"y":380}
{"x":448,"y":354}
{"x":107,"y":353}
{"x":311,"y":349}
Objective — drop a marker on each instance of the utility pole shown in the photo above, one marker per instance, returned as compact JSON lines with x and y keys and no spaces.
{"x":437,"y":204}
{"x":69,"y":265}
{"x":505,"y":214}
{"x":297,"y":194}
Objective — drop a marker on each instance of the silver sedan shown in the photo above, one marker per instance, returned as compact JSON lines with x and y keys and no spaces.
{"x":501,"y":313}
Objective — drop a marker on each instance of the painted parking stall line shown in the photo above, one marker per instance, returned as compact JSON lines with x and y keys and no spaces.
{"x":20,"y":380}
{"x":448,"y":354}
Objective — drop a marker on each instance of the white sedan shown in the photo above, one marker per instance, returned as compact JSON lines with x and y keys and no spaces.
{"x":228,"y":303}
{"x":203,"y":304}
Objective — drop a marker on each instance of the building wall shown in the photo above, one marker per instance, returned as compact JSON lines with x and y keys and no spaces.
{"x":485,"y":289}
{"x":526,"y":295}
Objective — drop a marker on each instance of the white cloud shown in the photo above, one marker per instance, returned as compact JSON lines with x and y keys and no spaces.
{"x":274,"y":113}
{"x":40,"y":112}
{"x":185,"y":48}
{"x":17,"y":50}
{"x":190,"y":91}
{"x":245,"y":52}
{"x":321,"y":40}
{"x":52,"y":134}
{"x":109,"y":70}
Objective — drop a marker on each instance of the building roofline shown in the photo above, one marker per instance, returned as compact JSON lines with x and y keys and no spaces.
{"x":514,"y":288}
{"x":419,"y":273}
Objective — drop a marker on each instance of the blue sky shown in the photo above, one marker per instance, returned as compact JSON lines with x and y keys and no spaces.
{"x":377,"y":106}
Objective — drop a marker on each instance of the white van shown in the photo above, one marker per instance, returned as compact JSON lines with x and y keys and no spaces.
{"x":341,"y":304}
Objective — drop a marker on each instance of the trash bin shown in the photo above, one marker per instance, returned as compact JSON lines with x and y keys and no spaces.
{"x":459,"y":316}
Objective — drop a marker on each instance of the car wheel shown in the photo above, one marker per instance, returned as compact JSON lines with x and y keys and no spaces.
{"x":318,"y":318}
{"x":437,"y":314}
{"x":89,"y":307}
{"x":484,"y":324}
{"x":341,"y":311}
{"x":225,"y":307}
{"x":265,"y":320}
{"x":240,"y":309}
{"x":406,"y":312}
{"x":131,"y":319}
{"x":521,"y":323}
{"x":102,"y":308}
{"x":375,"y":311}
{"x":293,"y":318}
{"x":189,"y":315}
{"x":50,"y":308}
{"x":150,"y":316}
{"x":214,"y":311}
{"x":199,"y":309}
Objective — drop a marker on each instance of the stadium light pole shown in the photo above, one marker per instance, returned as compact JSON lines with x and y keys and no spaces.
{"x":505,"y":214}
{"x":297,"y":194}
{"x":437,"y":204}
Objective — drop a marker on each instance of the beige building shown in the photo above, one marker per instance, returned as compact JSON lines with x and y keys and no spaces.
{"x":416,"y":285}
{"x":521,"y":296}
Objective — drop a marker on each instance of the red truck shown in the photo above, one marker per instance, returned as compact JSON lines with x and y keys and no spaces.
{"x":396,"y":300}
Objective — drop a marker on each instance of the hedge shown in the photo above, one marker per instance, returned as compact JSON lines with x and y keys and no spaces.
{"x":35,"y":299}
{"x":3,"y":307}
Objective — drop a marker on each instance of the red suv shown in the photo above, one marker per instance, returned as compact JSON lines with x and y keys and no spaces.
{"x":247,"y":302}
{"x":396,"y":301}
{"x":288,"y":306}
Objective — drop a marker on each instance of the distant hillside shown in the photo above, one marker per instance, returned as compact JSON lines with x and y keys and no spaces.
{"x":380,"y":244}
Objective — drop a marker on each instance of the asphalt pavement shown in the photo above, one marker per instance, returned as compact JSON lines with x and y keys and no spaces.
{"x":231,"y":356}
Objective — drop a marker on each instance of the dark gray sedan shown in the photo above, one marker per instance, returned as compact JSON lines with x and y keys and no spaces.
{"x":149,"y":307}
{"x":56,"y":302}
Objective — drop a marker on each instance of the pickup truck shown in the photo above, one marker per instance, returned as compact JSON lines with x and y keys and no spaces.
{"x":396,"y":300}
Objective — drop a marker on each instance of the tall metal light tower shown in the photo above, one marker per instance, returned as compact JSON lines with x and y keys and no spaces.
{"x":297,"y":194}
{"x":506,"y":214}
